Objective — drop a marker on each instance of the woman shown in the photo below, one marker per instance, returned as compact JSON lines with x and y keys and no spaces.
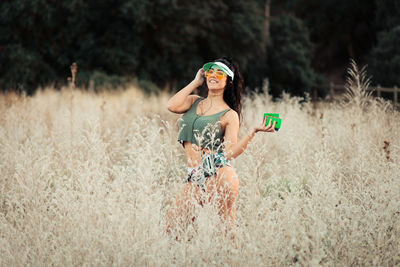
{"x":208,"y":131}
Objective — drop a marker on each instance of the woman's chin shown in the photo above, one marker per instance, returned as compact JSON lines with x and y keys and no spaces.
{"x":214,"y":87}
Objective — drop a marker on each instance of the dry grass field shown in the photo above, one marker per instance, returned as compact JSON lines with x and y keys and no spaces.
{"x":87,"y":179}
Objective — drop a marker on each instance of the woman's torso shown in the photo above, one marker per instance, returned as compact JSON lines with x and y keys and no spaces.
{"x":212,"y":125}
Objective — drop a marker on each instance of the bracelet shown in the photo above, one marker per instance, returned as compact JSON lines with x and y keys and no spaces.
{"x":251,"y":134}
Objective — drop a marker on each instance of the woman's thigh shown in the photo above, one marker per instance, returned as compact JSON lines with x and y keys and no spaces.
{"x":188,"y":195}
{"x":225,"y":181}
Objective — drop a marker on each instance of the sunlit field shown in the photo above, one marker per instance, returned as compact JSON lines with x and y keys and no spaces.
{"x":87,"y":179}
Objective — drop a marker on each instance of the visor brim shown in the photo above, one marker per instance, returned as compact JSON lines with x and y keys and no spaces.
{"x":220,"y":66}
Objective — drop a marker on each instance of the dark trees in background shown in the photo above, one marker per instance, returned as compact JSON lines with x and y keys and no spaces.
{"x":290,"y":57}
{"x":159,"y":41}
{"x":287,"y":61}
{"x":340,"y":30}
{"x":384,"y":59}
{"x":180,"y":37}
{"x":40,"y":39}
{"x":387,"y":14}
{"x":163,"y":42}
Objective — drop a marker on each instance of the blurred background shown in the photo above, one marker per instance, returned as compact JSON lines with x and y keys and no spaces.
{"x":296,"y":46}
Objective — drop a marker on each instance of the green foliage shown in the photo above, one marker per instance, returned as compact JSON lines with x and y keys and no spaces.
{"x":339,"y":29}
{"x":257,"y":73}
{"x":185,"y":34}
{"x":162,"y":41}
{"x":97,"y":80}
{"x":384,"y":60}
{"x":148,"y":87}
{"x":20,"y":68}
{"x":289,"y":57}
{"x":387,"y":14}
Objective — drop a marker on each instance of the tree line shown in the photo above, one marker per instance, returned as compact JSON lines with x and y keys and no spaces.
{"x":162,"y":43}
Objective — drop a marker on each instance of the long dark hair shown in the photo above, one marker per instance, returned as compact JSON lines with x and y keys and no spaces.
{"x":233,"y":89}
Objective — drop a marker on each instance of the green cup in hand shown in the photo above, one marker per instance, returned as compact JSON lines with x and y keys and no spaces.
{"x":273,"y":117}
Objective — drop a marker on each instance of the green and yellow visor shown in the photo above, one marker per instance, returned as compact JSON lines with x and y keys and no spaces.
{"x":219,"y":65}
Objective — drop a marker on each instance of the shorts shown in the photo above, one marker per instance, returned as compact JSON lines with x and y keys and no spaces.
{"x":209,"y":167}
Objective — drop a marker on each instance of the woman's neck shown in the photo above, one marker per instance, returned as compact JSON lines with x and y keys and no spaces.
{"x":216,"y":96}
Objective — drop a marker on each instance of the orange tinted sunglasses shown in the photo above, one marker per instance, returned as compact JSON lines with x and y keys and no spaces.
{"x":218,"y":73}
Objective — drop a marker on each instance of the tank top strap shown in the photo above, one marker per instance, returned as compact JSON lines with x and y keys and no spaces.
{"x":225,"y":111}
{"x":193,"y":107}
{"x":196,"y":102}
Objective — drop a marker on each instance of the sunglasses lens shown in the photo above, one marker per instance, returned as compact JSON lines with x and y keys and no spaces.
{"x":218,"y":74}
{"x":209,"y":73}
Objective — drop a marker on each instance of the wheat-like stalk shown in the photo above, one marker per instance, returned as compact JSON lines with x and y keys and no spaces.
{"x":386,"y":148}
{"x":72,"y":79}
{"x":319,"y":192}
{"x":72,"y":85}
{"x":357,"y":85}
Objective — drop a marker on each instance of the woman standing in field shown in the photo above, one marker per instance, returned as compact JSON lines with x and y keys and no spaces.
{"x":208,"y":131}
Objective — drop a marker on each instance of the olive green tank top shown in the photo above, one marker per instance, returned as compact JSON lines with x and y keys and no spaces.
{"x":204,"y":131}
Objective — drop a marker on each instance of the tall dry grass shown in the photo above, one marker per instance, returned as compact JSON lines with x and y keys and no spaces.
{"x":93,"y":188}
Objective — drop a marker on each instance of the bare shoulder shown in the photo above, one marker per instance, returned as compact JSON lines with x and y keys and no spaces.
{"x":231,"y":117}
{"x":193,"y":98}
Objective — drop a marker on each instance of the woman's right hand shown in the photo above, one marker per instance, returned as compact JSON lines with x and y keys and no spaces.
{"x":199,"y":79}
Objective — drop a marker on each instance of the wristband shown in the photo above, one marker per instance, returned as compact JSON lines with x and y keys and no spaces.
{"x":251,"y":133}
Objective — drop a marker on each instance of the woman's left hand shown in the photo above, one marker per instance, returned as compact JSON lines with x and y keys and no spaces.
{"x":263,"y":128}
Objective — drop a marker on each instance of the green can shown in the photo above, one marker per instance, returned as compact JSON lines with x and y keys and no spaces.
{"x":275,"y":118}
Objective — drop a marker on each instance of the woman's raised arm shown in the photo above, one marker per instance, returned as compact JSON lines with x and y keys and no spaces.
{"x":182,"y":100}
